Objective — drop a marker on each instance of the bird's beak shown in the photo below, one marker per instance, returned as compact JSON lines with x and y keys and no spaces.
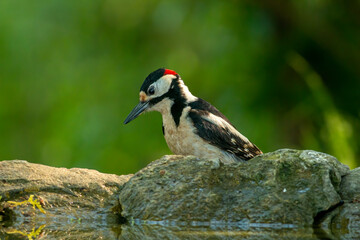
{"x":138,"y":109}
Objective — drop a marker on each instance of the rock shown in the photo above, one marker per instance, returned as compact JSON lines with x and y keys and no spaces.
{"x":350,"y":186}
{"x":283,"y":187}
{"x":345,"y":223}
{"x":82,"y":196}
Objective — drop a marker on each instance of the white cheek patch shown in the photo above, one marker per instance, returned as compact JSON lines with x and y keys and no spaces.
{"x":162,"y":85}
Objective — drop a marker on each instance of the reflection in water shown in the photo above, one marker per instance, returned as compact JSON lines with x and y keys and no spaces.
{"x":146,"y":231}
{"x":161,"y":230}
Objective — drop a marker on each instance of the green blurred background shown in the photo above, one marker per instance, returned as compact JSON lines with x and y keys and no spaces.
{"x":286,"y":73}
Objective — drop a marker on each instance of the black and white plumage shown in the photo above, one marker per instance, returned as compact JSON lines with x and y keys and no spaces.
{"x":191,"y":126}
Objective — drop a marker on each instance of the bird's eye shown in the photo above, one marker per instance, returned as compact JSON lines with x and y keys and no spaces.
{"x":151,"y":90}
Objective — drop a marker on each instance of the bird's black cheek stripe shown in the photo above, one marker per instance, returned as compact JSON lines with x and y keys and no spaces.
{"x":156,"y":100}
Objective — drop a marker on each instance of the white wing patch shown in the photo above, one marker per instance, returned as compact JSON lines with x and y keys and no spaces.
{"x":225,"y":125}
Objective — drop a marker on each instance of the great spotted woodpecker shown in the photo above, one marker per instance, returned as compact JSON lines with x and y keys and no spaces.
{"x":191,"y":126}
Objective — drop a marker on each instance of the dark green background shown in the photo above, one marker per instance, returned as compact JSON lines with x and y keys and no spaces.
{"x":286,"y":73}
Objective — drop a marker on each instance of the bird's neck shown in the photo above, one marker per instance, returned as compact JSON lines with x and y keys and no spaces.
{"x":185,"y":93}
{"x":181,"y":97}
{"x":177,"y":98}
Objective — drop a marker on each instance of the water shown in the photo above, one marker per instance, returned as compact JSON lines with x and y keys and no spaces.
{"x":165,"y":230}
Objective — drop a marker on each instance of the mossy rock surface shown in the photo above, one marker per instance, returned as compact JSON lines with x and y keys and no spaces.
{"x":345,"y":223}
{"x":350,"y":186}
{"x":73,"y":199}
{"x":285,"y":186}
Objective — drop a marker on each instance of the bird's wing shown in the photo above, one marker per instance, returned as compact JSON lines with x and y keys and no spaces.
{"x":201,"y":104}
{"x":219,"y":132}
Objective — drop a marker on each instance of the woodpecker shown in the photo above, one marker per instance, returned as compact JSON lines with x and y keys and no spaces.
{"x":191,"y":126}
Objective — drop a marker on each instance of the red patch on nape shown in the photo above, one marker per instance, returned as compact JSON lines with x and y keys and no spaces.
{"x":168,"y":71}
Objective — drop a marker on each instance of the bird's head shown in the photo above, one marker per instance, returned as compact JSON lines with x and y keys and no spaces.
{"x":157,"y":88}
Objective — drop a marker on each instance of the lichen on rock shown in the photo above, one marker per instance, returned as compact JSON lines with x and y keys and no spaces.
{"x":67,"y":195}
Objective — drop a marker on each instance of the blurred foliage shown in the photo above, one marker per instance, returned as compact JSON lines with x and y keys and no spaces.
{"x":286,"y":73}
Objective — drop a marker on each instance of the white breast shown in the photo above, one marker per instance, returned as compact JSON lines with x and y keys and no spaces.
{"x":183,"y":140}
